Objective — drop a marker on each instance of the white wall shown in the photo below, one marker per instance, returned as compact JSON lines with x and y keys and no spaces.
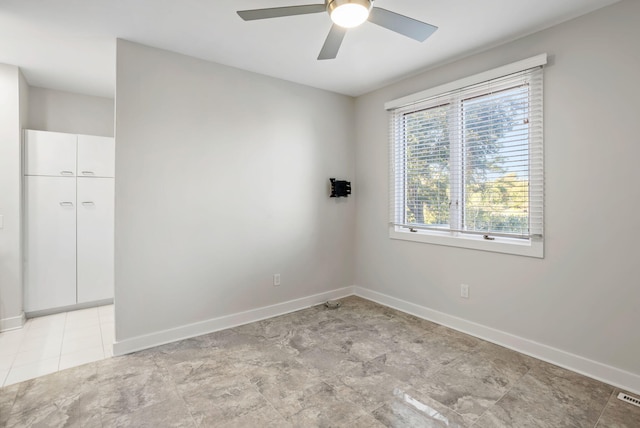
{"x":222,"y":181}
{"x":59,"y":111}
{"x":12,"y":91}
{"x":583,"y":297}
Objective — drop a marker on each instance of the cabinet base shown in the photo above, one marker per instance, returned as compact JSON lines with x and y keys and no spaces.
{"x":68,"y":308}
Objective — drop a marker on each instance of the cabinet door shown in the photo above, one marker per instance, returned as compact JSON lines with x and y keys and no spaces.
{"x":50,"y":241}
{"x":95,"y":239}
{"x":49,"y":153}
{"x":96,"y":156}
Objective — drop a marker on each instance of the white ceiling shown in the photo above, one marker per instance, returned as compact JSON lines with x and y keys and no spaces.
{"x":70,"y":44}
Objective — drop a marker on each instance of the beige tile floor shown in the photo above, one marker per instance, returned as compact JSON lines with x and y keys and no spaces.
{"x":56,"y":342}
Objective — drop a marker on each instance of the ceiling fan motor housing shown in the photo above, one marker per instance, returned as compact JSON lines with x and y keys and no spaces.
{"x":333,"y":4}
{"x":349,"y":13}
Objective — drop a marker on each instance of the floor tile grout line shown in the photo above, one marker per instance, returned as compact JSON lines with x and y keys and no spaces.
{"x":501,"y":397}
{"x":451,"y":363}
{"x":64,"y":333}
{"x":13,"y":361}
{"x":160,"y":366}
{"x":102,"y":335}
{"x":25,"y":328}
{"x":104,"y":354}
{"x":269,"y":403}
{"x":606,"y":404}
{"x":15,"y":355}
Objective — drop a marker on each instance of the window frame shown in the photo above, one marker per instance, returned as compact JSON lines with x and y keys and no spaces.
{"x":531,"y":246}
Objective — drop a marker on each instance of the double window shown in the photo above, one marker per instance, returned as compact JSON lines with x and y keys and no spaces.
{"x":467,"y":163}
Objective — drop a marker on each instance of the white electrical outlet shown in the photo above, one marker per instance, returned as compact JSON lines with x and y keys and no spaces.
{"x":464,"y":291}
{"x":276,"y":279}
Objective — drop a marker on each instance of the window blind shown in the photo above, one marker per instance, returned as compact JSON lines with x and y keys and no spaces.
{"x":470,"y":160}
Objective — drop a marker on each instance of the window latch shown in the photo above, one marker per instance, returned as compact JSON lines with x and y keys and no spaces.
{"x":489,"y":238}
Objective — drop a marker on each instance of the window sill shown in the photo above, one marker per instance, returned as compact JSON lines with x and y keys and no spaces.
{"x":518,"y":247}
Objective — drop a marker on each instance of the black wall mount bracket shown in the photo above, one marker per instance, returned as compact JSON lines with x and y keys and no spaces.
{"x":340,"y":188}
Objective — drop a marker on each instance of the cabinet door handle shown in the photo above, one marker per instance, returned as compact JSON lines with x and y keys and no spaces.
{"x":88,"y":203}
{"x":88,"y":173}
{"x":66,"y":204}
{"x":66,"y":172}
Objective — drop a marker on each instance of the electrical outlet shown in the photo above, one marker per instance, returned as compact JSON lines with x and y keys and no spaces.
{"x":276,"y":279}
{"x":464,"y":291}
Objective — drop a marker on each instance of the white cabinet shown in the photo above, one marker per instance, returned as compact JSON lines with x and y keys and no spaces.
{"x":50,"y":153}
{"x":95,"y":239}
{"x":57,"y":154}
{"x":69,"y":219}
{"x":51,"y":242}
{"x":96,"y":156}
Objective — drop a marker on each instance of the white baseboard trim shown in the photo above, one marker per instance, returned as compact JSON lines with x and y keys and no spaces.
{"x":215,"y":324}
{"x":602,"y":372}
{"x":12,"y":323}
{"x":616,"y":377}
{"x":74,"y":307}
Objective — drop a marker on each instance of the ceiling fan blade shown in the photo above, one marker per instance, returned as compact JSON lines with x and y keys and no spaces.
{"x":401,"y":24}
{"x":332,"y":43}
{"x":276,"y":12}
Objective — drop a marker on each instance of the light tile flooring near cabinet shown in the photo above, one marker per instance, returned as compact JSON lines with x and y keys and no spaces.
{"x":56,"y":342}
{"x":362,"y":365}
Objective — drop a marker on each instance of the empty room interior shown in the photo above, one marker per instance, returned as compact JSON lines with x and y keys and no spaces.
{"x":274,"y":213}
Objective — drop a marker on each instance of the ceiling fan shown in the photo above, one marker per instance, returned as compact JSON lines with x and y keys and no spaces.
{"x":347,"y":14}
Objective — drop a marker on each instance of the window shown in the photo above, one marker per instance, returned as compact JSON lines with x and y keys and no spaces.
{"x":466,"y":162}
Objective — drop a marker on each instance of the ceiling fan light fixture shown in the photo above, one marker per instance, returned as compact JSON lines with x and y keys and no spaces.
{"x":349,"y":13}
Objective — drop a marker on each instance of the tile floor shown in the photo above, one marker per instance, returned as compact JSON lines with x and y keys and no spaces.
{"x":56,"y":342}
{"x":363,"y":365}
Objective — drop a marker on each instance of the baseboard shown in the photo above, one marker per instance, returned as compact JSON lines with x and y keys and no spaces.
{"x":12,"y":323}
{"x":215,"y":324}
{"x":616,"y":377}
{"x":74,"y":307}
{"x":603,"y":372}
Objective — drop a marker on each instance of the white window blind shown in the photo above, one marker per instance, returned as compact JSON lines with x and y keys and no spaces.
{"x":470,"y":160}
